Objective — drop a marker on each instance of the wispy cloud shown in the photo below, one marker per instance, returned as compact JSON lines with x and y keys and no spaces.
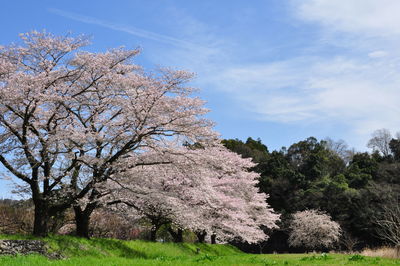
{"x":360,"y":95}
{"x":358,"y":89}
{"x":125,"y":28}
{"x":361,"y":17}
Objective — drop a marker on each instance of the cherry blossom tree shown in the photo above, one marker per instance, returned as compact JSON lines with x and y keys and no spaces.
{"x":67,"y":117}
{"x":207,"y":190}
{"x":167,"y":186}
{"x":313,"y":229}
{"x":240,"y":210}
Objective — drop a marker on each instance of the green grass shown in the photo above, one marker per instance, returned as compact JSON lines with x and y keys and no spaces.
{"x":77,"y":251}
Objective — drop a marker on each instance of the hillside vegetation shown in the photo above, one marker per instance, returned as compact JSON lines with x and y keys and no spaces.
{"x":78,"y":251}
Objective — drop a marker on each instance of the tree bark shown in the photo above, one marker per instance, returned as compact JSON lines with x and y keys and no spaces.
{"x":153,"y":235}
{"x":40,"y":224}
{"x":46,"y":211}
{"x":201,"y":236}
{"x":213,"y":239}
{"x":177,"y":236}
{"x":156,"y":222}
{"x":82,"y":219}
{"x":47,"y":217}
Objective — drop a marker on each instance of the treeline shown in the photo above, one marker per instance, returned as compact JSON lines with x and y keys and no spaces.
{"x":355,"y":188}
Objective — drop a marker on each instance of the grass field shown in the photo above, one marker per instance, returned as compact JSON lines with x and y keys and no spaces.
{"x":116,"y":252}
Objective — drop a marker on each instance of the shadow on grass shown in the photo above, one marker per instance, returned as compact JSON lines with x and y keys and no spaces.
{"x":74,"y":247}
{"x":70,"y":246}
{"x":200,"y":248}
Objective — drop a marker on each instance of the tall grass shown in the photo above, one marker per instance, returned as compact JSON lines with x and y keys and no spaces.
{"x":384,"y":252}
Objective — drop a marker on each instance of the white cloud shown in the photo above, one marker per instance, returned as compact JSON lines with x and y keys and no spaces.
{"x":357,"y":95}
{"x":358,"y":90}
{"x":195,"y":54}
{"x":126,"y":28}
{"x":377,"y":54}
{"x":368,"y":17}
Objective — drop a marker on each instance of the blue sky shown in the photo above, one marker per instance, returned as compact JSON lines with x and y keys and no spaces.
{"x":275,"y":69}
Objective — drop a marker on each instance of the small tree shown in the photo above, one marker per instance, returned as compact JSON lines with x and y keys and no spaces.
{"x":380,"y":141}
{"x":389,"y":224}
{"x":348,"y":241}
{"x":313,"y":229}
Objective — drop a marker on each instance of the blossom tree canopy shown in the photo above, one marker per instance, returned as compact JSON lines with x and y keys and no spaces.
{"x":206,"y":190}
{"x":68,"y":116}
{"x":313,"y":229}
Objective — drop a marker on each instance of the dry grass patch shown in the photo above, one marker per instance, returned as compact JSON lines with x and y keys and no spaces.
{"x":384,"y":252}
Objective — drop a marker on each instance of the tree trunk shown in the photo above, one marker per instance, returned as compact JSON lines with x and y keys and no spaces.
{"x":261,"y":247}
{"x":82,"y":219}
{"x":48,"y":217}
{"x":153,"y":234}
{"x":40,"y":224}
{"x":177,"y":236}
{"x":201,"y":236}
{"x":213,"y":239}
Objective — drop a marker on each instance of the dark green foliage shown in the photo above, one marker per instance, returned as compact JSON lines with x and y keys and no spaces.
{"x":250,"y":149}
{"x":362,"y":169}
{"x":389,"y":172}
{"x":394,"y":145}
{"x":313,"y":160}
{"x":309,"y":175}
{"x":356,"y":257}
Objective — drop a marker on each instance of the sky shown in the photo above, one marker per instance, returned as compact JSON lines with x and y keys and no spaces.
{"x":278,"y":70}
